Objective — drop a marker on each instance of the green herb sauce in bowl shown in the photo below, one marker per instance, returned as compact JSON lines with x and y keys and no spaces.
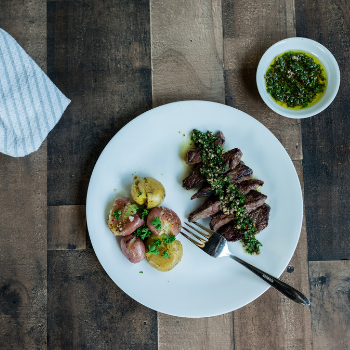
{"x":298,"y":77}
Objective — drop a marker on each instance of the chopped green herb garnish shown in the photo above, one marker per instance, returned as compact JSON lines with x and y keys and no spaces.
{"x":142,"y":232}
{"x":157,"y":242}
{"x":232,"y":201}
{"x":166,"y":254}
{"x":141,"y":272}
{"x":139,"y":194}
{"x":117,"y":214}
{"x":152,"y":249}
{"x":144,"y":213}
{"x":157,"y":223}
{"x":168,"y":239}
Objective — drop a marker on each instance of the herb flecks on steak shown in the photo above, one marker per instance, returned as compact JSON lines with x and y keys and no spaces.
{"x":232,"y":201}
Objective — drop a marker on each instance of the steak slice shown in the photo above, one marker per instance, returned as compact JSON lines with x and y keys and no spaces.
{"x":232,"y":158}
{"x":194,"y":178}
{"x":238,"y":174}
{"x":248,"y":185}
{"x":230,"y":232}
{"x":253,"y":200}
{"x":219,"y":219}
{"x":260,"y":216}
{"x":194,"y":155}
{"x":207,"y":209}
{"x":204,"y":191}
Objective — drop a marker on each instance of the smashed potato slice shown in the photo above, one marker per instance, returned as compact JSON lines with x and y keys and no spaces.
{"x":169,"y":255}
{"x":148,"y":192}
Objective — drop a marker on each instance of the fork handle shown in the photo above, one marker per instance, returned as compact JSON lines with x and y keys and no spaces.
{"x":280,"y":286}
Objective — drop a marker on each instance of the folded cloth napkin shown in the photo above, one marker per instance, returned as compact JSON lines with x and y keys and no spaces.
{"x":30,"y":103}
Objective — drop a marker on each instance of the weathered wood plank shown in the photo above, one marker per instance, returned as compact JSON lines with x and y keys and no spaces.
{"x":330,"y":304}
{"x":86,"y":310}
{"x":326,"y":137}
{"x":99,"y":56}
{"x":23,"y":207}
{"x":249,"y":30}
{"x":273,"y":321}
{"x":66,"y":227}
{"x":187,"y":63}
{"x":187,"y":51}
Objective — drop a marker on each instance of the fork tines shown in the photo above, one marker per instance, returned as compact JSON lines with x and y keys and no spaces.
{"x":201,"y":239}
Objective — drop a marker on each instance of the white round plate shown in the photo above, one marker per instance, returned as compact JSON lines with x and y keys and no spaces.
{"x":150,"y":145}
{"x":317,"y":50}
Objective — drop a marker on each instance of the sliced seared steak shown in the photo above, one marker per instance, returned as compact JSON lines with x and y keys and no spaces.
{"x":194,"y":155}
{"x":204,"y":191}
{"x":253,"y":200}
{"x":260,"y":216}
{"x":220,"y":139}
{"x":219,"y":219}
{"x":248,"y":185}
{"x":207,"y":209}
{"x":239,"y":173}
{"x":232,"y":158}
{"x":230,"y":232}
{"x":194,"y":178}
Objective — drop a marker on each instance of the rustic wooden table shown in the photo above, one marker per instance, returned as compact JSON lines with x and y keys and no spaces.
{"x":116,"y":59}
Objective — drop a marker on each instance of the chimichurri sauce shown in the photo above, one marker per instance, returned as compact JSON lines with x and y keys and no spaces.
{"x":232,"y":200}
{"x":295,"y":79}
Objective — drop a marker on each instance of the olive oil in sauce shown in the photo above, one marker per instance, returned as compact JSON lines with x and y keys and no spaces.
{"x":296,"y":80}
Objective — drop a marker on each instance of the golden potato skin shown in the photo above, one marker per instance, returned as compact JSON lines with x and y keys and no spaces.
{"x":148,"y":192}
{"x":160,"y":263}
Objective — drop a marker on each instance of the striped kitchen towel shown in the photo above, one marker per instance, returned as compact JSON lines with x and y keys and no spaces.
{"x":30,"y":103}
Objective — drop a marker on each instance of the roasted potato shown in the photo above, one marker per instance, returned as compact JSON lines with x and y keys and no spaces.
{"x":123,"y":217}
{"x":133,"y":248}
{"x":170,"y":223}
{"x":148,"y":192}
{"x":169,"y":254}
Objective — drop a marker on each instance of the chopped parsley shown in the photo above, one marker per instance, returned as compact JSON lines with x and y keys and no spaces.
{"x":142,"y":232}
{"x":152,"y":249}
{"x":141,"y":272}
{"x":117,"y":214}
{"x":156,"y":223}
{"x":157,"y":242}
{"x":166,"y":254}
{"x":168,"y":239}
{"x":139,"y":194}
{"x":144,"y":213}
{"x":214,"y":170}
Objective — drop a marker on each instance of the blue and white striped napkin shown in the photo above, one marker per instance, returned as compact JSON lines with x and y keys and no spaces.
{"x":30,"y":104}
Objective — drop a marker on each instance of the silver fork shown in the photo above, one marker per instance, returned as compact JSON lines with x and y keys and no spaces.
{"x":216,"y":246}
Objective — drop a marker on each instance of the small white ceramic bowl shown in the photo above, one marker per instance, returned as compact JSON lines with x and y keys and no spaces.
{"x":308,"y":46}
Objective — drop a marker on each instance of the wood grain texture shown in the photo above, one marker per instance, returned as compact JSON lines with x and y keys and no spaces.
{"x":250,"y":28}
{"x":273,"y":321}
{"x":99,"y":56}
{"x":86,"y":310}
{"x":23,"y":207}
{"x":66,"y":227}
{"x":330,"y":304}
{"x":187,"y":64}
{"x":326,"y":137}
{"x":187,"y":51}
